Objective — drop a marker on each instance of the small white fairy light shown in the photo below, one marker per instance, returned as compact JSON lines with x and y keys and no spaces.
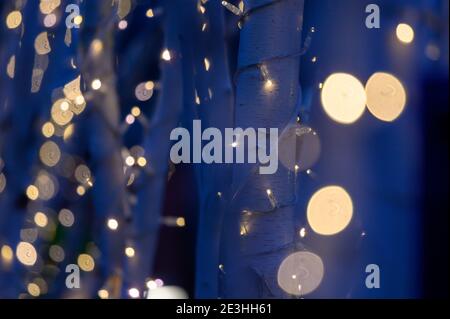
{"x":207,"y":64}
{"x":134,"y":293}
{"x":302,"y":232}
{"x":113,"y":224}
{"x":271,"y":197}
{"x":130,"y":161}
{"x":129,"y":251}
{"x":232,"y":8}
{"x":166,"y":56}
{"x":268,"y":82}
{"x":150,"y":13}
{"x":96,"y":84}
{"x":130,"y":119}
{"x":123,"y":24}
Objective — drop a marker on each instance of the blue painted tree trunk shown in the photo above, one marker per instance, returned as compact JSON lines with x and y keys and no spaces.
{"x":250,"y":259}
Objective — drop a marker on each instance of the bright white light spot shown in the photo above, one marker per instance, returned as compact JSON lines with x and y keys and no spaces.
{"x":134,"y":293}
{"x":166,"y":55}
{"x":113,"y":224}
{"x":405,"y":33}
{"x":96,"y":84}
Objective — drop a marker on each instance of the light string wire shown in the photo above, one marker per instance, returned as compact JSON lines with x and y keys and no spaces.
{"x":261,"y":66}
{"x":293,"y":119}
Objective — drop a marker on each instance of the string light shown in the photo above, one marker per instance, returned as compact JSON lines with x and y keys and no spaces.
{"x":86,"y":262}
{"x":343,"y":98}
{"x":295,"y":272}
{"x":123,"y":24}
{"x":26,"y":253}
{"x":166,"y":56}
{"x":141,"y":161}
{"x":78,"y":20}
{"x":181,"y":222}
{"x":130,"y":161}
{"x":66,"y":217}
{"x":56,"y":253}
{"x":32,"y":192}
{"x":271,"y":197}
{"x":136,"y":111}
{"x":48,"y":129}
{"x":329,"y":210}
{"x":207,"y":64}
{"x":300,"y":273}
{"x":48,"y":6}
{"x":201,"y":8}
{"x":14,"y":19}
{"x":42,"y":44}
{"x":232,"y":8}
{"x":50,"y":20}
{"x":302,"y":232}
{"x":386,"y":97}
{"x":134,"y":293}
{"x":40,"y":219}
{"x":129,"y":251}
{"x":103,"y":294}
{"x":81,"y":190}
{"x":150,"y":13}
{"x":7,"y":254}
{"x":96,"y":84}
{"x":405,"y":33}
{"x":113,"y":224}
{"x":96,"y":47}
{"x":130,"y":119}
{"x":33,"y":289}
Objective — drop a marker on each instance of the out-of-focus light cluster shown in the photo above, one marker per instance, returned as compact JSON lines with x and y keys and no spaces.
{"x":344,"y":98}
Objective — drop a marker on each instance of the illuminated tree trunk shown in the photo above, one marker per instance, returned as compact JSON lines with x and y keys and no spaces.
{"x":147,"y":212}
{"x":18,"y":142}
{"x":215,"y":110}
{"x":104,"y":136}
{"x":257,"y":234}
